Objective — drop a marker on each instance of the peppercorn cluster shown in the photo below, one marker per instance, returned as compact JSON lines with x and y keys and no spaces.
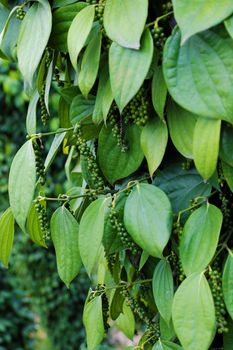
{"x":43,"y":219}
{"x":158,"y":36}
{"x":100,"y":290}
{"x":138,"y":109}
{"x":43,"y":108}
{"x":40,"y":169}
{"x":20,"y":13}
{"x":118,"y":125}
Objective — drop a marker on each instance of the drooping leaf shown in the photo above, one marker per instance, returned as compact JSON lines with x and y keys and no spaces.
{"x":163,"y":289}
{"x":199,"y":74}
{"x":199,"y":239}
{"x":126,"y":322}
{"x":126,"y":79}
{"x":228,"y":174}
{"x":159,"y":91}
{"x":227,"y":283}
{"x":114,"y":162}
{"x":65,"y":237}
{"x":206,"y":146}
{"x":6,"y":236}
{"x":226,"y":145}
{"x":22,"y":180}
{"x":31,"y":114}
{"x":57,"y":141}
{"x":34,"y":227}
{"x":78,"y":32}
{"x":81,"y":108}
{"x":117,"y":302}
{"x":124,"y":21}
{"x":195,"y":327}
{"x":33,"y":38}
{"x":154,"y":139}
{"x":196,"y":16}
{"x":148,"y":218}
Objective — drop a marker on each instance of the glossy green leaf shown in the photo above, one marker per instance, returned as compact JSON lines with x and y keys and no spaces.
{"x":65,"y":234}
{"x":154,"y":139}
{"x":6,"y":236}
{"x":227,"y":283}
{"x":31,"y":114}
{"x":33,"y":38}
{"x":22,"y":181}
{"x":200,"y":237}
{"x":206,"y":146}
{"x":195,"y":327}
{"x":57,"y":141}
{"x":148,"y":218}
{"x":81,"y":108}
{"x":228,"y":174}
{"x":78,"y":32}
{"x":125,"y":76}
{"x":60,"y":3}
{"x":199,"y":74}
{"x":34,"y":227}
{"x":226,"y":144}
{"x":91,"y":233}
{"x":126,"y":322}
{"x":93,"y":322}
{"x":229,"y":25}
{"x":115,"y":163}
{"x":117,"y":302}
{"x":181,"y":127}
{"x":90,"y":65}
{"x":166,"y":330}
{"x":201,"y":14}
{"x":124,"y":21}
{"x":159,"y":91}
{"x":163,"y":289}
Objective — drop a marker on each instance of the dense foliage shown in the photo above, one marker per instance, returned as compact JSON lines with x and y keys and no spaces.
{"x":145,"y":138}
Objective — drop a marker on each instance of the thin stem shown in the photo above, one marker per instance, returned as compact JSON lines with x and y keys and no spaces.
{"x":205,"y":199}
{"x":129,"y":284}
{"x":62,"y":198}
{"x":59,"y":131}
{"x":155,"y":23}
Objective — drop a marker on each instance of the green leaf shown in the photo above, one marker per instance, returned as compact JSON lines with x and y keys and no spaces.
{"x":125,"y":75}
{"x":124,"y":21}
{"x":33,"y":38}
{"x":143,"y":259}
{"x":167,"y":345}
{"x":31,"y":114}
{"x":22,"y":181}
{"x":195,"y":327}
{"x":148,"y":218}
{"x":181,"y":127}
{"x":166,"y":330}
{"x":154,"y":139}
{"x":60,"y":3}
{"x":163,"y":289}
{"x":117,"y":302}
{"x":62,"y":19}
{"x":126,"y":322}
{"x":199,"y":239}
{"x":81,"y":108}
{"x":78,"y":32}
{"x":228,"y":336}
{"x":227,"y":283}
{"x":90,"y":64}
{"x":229,"y":25}
{"x":199,"y":74}
{"x":93,"y":322}
{"x":6,"y":236}
{"x":91,"y":233}
{"x":228,"y":174}
{"x":57,"y":141}
{"x":65,"y":235}
{"x":202,"y":15}
{"x":34,"y":227}
{"x":206,"y":146}
{"x":159,"y":91}
{"x":226,"y":144}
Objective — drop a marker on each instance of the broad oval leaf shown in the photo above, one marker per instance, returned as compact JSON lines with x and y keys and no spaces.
{"x":226,"y":144}
{"x":124,"y":21}
{"x":206,"y":146}
{"x":34,"y":227}
{"x":78,"y":32}
{"x":159,"y":91}
{"x":22,"y":181}
{"x":148,"y":218}
{"x":6,"y":236}
{"x":227,"y":283}
{"x":199,"y":239}
{"x":195,"y":327}
{"x":31,"y":114}
{"x":65,"y":234}
{"x":202,"y":15}
{"x":115,"y":163}
{"x":125,"y":75}
{"x":199,"y":74}
{"x":33,"y":37}
{"x":126,"y":322}
{"x":154,"y":139}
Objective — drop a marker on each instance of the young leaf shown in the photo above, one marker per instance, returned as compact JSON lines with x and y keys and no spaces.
{"x":34,"y":227}
{"x":90,"y":65}
{"x":78,"y":32}
{"x":228,"y":174}
{"x":91,"y":233}
{"x":31,"y":114}
{"x":22,"y":181}
{"x":93,"y":322}
{"x":181,"y":127}
{"x":33,"y":38}
{"x":206,"y":146}
{"x":227,"y":283}
{"x":65,"y":234}
{"x":6,"y":236}
{"x":126,"y":322}
{"x":163,"y":289}
{"x":226,"y":145}
{"x":159,"y":91}
{"x":154,"y":139}
{"x":209,"y":55}
{"x":201,"y":14}
{"x":199,"y":239}
{"x":195,"y":327}
{"x":128,"y":69}
{"x":81,"y":108}
{"x":124,"y":21}
{"x":57,"y":141}
{"x":148,"y":218}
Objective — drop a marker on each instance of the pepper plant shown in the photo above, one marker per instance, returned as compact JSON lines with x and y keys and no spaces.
{"x":145,"y":124}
